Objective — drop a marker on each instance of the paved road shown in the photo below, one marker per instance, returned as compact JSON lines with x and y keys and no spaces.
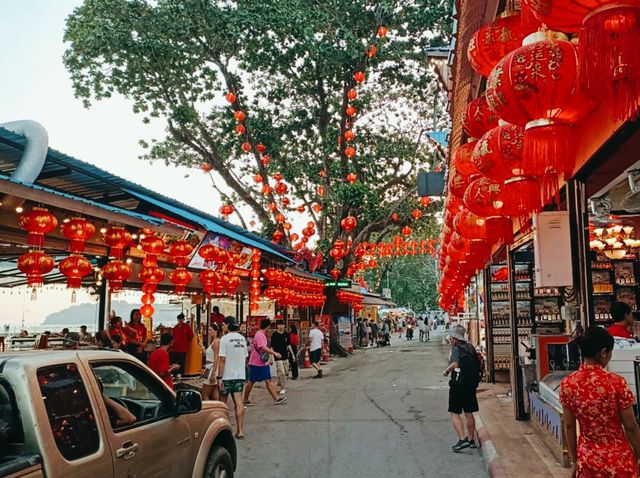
{"x":380,"y":413}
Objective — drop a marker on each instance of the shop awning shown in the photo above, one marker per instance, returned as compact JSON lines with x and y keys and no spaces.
{"x":370,"y":300}
{"x":211,"y":225}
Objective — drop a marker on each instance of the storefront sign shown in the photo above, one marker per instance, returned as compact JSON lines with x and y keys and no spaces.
{"x":344,"y":331}
{"x":223,"y":242}
{"x":339,"y":284}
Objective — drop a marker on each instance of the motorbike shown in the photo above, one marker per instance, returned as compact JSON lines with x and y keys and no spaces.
{"x":409,"y":332}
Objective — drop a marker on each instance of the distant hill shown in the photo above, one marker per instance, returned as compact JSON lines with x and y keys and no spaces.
{"x":76,"y":315}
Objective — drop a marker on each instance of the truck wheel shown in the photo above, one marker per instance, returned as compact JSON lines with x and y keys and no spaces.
{"x":219,"y":464}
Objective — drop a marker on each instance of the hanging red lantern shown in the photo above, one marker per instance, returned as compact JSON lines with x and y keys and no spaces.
{"x":265,"y":160}
{"x":458,"y":183}
{"x":498,"y":154}
{"x":246,"y":147}
{"x":352,"y":94}
{"x":230,"y":97}
{"x":180,"y":278}
{"x":352,"y":178}
{"x":151,"y":275}
{"x":348,"y":224}
{"x":371,"y":51}
{"x":152,"y":245}
{"x":358,"y":76}
{"x":609,"y":57}
{"x":116,"y":272}
{"x":226,"y":210}
{"x":206,"y":167}
{"x":349,"y":135}
{"x":285,"y":201}
{"x":78,"y":230}
{"x":35,"y":264}
{"x":563,"y":15}
{"x":241,"y":129}
{"x":181,"y":250}
{"x":209,"y":279}
{"x":499,"y":230}
{"x":425,"y":201}
{"x":470,"y":226}
{"x":416,"y":213}
{"x":395,"y":217}
{"x":335,"y":273}
{"x":277,"y":236}
{"x":280,"y":218}
{"x":261,"y":148}
{"x":351,"y":111}
{"x":74,"y":268}
{"x":281,"y":188}
{"x":37,"y":222}
{"x":536,"y":87}
{"x":493,"y":41}
{"x":320,"y":191}
{"x":257,"y":178}
{"x":349,"y":151}
{"x":266,"y":189}
{"x":317,"y":208}
{"x":484,"y":197}
{"x":278,"y":176}
{"x":406,"y":230}
{"x":382,"y":31}
{"x":147,"y":311}
{"x":117,"y":238}
{"x":239,"y":115}
{"x":479,"y":117}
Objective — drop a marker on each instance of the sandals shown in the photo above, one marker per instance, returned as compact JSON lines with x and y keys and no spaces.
{"x":248,"y":403}
{"x":239,"y":437}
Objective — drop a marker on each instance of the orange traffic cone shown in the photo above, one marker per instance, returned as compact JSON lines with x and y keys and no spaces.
{"x":350,"y":350}
{"x":325,"y":352}
{"x":307,"y":362}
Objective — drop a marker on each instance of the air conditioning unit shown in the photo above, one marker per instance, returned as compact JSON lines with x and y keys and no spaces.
{"x":552,"y":249}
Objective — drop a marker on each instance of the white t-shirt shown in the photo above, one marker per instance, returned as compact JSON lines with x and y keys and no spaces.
{"x":316,"y":337}
{"x":233,"y":347}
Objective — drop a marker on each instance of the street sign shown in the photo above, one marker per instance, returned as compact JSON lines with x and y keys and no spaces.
{"x":339,"y":284}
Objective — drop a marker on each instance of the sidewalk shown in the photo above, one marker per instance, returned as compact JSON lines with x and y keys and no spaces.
{"x":509,"y":447}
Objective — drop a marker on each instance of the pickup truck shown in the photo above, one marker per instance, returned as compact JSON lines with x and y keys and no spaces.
{"x":60,"y":416}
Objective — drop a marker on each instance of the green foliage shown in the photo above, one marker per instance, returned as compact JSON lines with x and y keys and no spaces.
{"x":290,"y":61}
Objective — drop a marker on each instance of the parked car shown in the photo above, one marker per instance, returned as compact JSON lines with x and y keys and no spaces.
{"x":59,"y":417}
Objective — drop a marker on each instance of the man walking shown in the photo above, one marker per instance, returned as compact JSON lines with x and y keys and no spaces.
{"x":280,"y":344}
{"x":316,"y":337}
{"x":420,"y":325}
{"x":464,"y":368}
{"x":232,"y":369}
{"x":259,"y":370}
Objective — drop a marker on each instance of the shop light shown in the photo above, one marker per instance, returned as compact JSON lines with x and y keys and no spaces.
{"x":19,"y":209}
{"x":615,"y":242}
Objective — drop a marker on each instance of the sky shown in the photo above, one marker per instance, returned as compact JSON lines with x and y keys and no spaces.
{"x":35,"y":85}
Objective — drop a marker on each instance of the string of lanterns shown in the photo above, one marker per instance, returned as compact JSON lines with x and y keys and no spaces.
{"x":287,"y":289}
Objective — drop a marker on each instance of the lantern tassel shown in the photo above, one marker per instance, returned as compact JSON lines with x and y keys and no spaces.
{"x":522,"y":198}
{"x":609,"y":57}
{"x":548,"y":148}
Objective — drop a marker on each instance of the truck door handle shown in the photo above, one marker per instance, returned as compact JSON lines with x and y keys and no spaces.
{"x":127,"y":451}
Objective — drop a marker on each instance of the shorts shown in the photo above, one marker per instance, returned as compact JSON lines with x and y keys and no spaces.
{"x":315,"y":356}
{"x":462,"y":399}
{"x":209,"y":377}
{"x":232,"y":386}
{"x":259,"y":373}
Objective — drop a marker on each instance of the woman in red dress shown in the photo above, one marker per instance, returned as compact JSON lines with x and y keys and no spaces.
{"x":601,"y":402}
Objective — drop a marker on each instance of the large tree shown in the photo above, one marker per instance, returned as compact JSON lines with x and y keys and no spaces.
{"x":290,"y":64}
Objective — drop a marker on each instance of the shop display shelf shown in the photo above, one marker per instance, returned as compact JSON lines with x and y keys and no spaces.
{"x":626,"y":285}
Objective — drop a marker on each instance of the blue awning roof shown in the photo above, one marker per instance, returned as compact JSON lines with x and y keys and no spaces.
{"x":209,"y":224}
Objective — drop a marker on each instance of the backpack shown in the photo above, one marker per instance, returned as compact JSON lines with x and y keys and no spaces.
{"x":471,"y":365}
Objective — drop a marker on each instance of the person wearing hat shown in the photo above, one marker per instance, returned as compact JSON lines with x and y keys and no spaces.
{"x":465,"y":372}
{"x":182,"y":336}
{"x":232,"y":358}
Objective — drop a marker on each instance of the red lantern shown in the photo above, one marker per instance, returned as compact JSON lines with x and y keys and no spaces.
{"x":498,"y":154}
{"x":416,"y":213}
{"x":147,"y":311}
{"x":74,"y":268}
{"x":280,"y":218}
{"x":277,"y":236}
{"x":358,"y":76}
{"x":335,"y":273}
{"x":77,"y":230}
{"x":35,"y":264}
{"x":278,"y":176}
{"x":382,"y":31}
{"x":406,"y":230}
{"x":479,"y":118}
{"x":493,"y":41}
{"x":246,"y":147}
{"x":485,"y":197}
{"x":351,"y":178}
{"x":348,"y":224}
{"x":266,"y":189}
{"x":230,"y":97}
{"x":320,"y":191}
{"x":241,"y":129}
{"x":563,"y":15}
{"x":458,"y":183}
{"x":470,"y":226}
{"x":226,"y":209}
{"x":462,"y":159}
{"x":610,"y":58}
{"x":239,"y":115}
{"x":499,"y":230}
{"x":151,"y":275}
{"x":371,"y":51}
{"x":351,"y":111}
{"x":116,"y":272}
{"x":281,"y":188}
{"x":257,"y":179}
{"x":425,"y":201}
{"x":38,"y":222}
{"x":181,"y":250}
{"x":349,"y":135}
{"x":349,"y":151}
{"x":261,"y":148}
{"x":117,"y":238}
{"x":352,"y":94}
{"x":180,"y":277}
{"x":206,"y":167}
{"x":395,"y":217}
{"x":316,"y":208}
{"x":536,"y":87}
{"x":265,"y":160}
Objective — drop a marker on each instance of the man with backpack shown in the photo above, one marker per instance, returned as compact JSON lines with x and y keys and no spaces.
{"x":466,"y":373}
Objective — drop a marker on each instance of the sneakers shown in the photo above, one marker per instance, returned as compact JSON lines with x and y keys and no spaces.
{"x":280,"y":401}
{"x":283,"y":391}
{"x":461,"y":445}
{"x":472,"y":444}
{"x":248,"y":403}
{"x":320,"y":373}
{"x":317,"y":376}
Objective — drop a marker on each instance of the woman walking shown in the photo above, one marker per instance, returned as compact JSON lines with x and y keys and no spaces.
{"x":210,"y":389}
{"x":609,"y":442}
{"x":294,"y":341}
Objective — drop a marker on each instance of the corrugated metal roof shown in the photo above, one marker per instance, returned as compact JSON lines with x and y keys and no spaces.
{"x":72,"y":176}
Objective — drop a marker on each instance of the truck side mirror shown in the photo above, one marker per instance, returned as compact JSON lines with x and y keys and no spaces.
{"x":188,"y":401}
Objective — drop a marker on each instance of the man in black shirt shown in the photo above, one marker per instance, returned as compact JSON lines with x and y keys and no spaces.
{"x":280,"y":344}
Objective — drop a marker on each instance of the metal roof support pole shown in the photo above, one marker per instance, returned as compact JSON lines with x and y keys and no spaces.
{"x":104,"y":304}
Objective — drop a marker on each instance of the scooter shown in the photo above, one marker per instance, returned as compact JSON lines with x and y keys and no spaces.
{"x":409,"y":332}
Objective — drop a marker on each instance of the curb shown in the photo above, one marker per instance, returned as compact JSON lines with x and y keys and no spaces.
{"x":488,"y":450}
